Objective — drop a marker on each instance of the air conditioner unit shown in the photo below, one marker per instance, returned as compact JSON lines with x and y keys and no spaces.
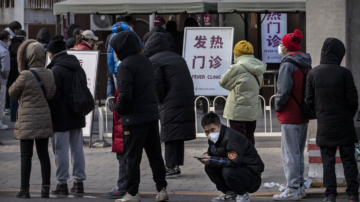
{"x":101,"y":22}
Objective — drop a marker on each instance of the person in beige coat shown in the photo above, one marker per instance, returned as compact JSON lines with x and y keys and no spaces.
{"x":244,"y":79}
{"x":33,"y":120}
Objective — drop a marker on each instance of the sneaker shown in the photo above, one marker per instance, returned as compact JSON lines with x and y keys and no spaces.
{"x":229,"y":196}
{"x":129,"y":198}
{"x":354,"y":198}
{"x":243,"y":198}
{"x":7,"y":112}
{"x":115,"y":193}
{"x":3,"y":127}
{"x":78,"y":187}
{"x":173,"y":173}
{"x":289,"y":194}
{"x":61,"y":189}
{"x":303,"y":192}
{"x":162,"y":195}
{"x":330,"y":198}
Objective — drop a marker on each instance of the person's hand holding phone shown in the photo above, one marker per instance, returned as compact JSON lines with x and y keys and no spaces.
{"x":205,"y":159}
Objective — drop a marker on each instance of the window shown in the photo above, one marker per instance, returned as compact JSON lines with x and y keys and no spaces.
{"x":42,"y":4}
{"x":6,"y":3}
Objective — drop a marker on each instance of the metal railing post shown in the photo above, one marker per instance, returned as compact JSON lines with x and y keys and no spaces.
{"x":214,"y":101}
{"x":262,"y":98}
{"x":270,"y":112}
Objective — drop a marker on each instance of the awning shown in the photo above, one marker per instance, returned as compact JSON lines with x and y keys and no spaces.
{"x":135,"y":6}
{"x":229,"y":6}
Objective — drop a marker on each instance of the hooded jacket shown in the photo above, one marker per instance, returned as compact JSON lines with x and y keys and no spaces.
{"x":33,"y":119}
{"x":291,"y":80}
{"x":116,"y":28}
{"x":332,"y":94}
{"x":234,"y":150}
{"x":243,"y":102}
{"x":43,"y":37}
{"x":170,"y":38}
{"x":4,"y":63}
{"x":83,"y":45}
{"x":118,"y":140}
{"x":14,"y":72}
{"x":137,"y":102}
{"x":63,"y":67}
{"x":174,"y":88}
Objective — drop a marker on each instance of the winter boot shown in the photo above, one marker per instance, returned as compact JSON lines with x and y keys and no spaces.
{"x":61,"y":189}
{"x":23,"y":193}
{"x":45,"y":191}
{"x":78,"y":188}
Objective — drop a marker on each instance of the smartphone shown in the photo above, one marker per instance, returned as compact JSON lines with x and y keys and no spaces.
{"x":99,"y":42}
{"x":196,"y":157}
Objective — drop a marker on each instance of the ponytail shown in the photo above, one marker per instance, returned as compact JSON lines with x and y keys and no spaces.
{"x":79,"y":39}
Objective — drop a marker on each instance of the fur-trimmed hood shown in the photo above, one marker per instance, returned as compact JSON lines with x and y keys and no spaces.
{"x":31,"y":54}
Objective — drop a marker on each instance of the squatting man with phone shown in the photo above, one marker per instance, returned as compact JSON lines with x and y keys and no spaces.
{"x":231,"y":162}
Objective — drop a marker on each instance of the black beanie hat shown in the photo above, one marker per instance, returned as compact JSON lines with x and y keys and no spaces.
{"x":56,"y":44}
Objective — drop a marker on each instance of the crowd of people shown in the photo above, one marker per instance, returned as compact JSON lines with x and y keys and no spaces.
{"x":147,"y":77}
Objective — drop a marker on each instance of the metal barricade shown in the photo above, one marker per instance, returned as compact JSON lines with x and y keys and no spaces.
{"x":207,"y":100}
{"x":106,"y":107}
{"x":263,"y":99}
{"x":271,"y":129}
{"x":213,"y":108}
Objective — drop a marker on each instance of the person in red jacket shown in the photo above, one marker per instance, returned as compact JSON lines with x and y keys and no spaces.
{"x":86,"y":41}
{"x":291,"y":84}
{"x":118,"y":148}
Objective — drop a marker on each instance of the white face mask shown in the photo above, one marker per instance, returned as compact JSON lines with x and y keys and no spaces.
{"x":280,"y":51}
{"x":214,"y":137}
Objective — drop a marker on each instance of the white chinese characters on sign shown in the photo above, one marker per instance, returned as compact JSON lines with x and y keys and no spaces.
{"x":273,"y":28}
{"x":208,"y":54}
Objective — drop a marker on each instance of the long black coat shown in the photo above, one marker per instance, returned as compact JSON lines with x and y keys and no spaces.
{"x":174,"y":88}
{"x":137,"y":101}
{"x":63,"y":67}
{"x":331,"y":92}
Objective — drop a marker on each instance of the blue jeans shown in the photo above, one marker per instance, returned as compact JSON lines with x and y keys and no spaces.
{"x":110,"y":87}
{"x":121,"y":183}
{"x":14,"y":104}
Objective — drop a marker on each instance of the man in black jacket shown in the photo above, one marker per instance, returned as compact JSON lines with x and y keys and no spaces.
{"x":331,"y":93}
{"x":176,"y":115}
{"x":231,"y":162}
{"x":138,"y":109}
{"x":67,"y":125}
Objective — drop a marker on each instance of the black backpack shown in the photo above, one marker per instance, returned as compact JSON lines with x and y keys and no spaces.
{"x":305,"y":110}
{"x":80,"y":98}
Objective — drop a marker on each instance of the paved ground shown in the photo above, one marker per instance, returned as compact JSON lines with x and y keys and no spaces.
{"x":9,"y":196}
{"x":102,"y":171}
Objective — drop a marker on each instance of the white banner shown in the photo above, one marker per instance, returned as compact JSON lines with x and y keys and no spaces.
{"x":89,"y":61}
{"x":208,"y":54}
{"x":273,"y":28}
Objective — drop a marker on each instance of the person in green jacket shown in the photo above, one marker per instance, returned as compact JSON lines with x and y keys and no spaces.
{"x":244,"y":79}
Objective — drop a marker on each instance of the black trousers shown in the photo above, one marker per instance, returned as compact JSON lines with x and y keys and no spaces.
{"x":239,"y":180}
{"x":246,"y":128}
{"x":174,"y":153}
{"x":136,"y":138}
{"x":26,"y":148}
{"x":347,"y":155}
